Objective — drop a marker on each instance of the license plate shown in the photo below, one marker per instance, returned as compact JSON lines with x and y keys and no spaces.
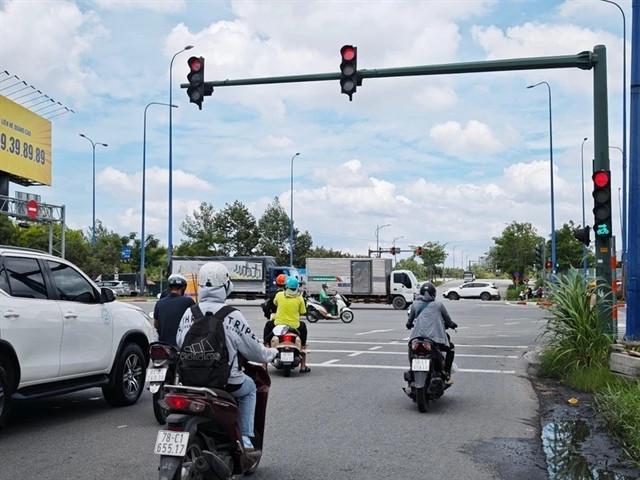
{"x":286,"y":356}
{"x":420,"y":364}
{"x":156,"y":374}
{"x":171,"y":443}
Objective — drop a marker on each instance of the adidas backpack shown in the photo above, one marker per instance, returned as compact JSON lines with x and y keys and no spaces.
{"x":204,"y":358}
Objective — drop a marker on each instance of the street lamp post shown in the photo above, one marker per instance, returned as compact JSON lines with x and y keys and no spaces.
{"x":291,"y":216}
{"x":624,"y":132}
{"x":93,"y":147}
{"x":584,"y":247}
{"x":144,"y":173}
{"x":170,"y":237}
{"x":553,"y":220}
{"x":378,"y":228}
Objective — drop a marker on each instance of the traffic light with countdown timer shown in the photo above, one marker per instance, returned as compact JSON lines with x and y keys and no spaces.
{"x":196,"y":80}
{"x":602,"y":204}
{"x":348,"y":70}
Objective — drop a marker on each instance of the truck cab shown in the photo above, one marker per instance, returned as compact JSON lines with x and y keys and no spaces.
{"x":403,"y":288}
{"x":275,"y":271}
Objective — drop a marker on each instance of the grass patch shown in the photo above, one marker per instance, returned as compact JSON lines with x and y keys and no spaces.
{"x":619,"y":404}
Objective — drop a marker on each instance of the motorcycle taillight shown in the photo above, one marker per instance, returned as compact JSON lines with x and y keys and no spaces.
{"x":159,"y":352}
{"x":289,"y":338}
{"x":182,"y":403}
{"x":421,"y":347}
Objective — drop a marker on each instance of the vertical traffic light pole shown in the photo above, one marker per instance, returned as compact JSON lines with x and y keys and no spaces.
{"x":601,"y":162}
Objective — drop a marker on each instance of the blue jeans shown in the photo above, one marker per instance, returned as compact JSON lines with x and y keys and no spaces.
{"x":246,"y":398}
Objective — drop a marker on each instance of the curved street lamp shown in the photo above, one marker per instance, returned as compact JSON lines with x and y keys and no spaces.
{"x":378,"y":228}
{"x":144,"y":173}
{"x":170,"y":237}
{"x":553,"y":220}
{"x":93,"y":146}
{"x":291,"y":216}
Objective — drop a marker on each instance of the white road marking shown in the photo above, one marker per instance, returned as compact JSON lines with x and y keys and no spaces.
{"x":396,"y":342}
{"x":512,"y":323}
{"x":375,"y":331}
{"x":355,"y":353}
{"x":391,"y":367}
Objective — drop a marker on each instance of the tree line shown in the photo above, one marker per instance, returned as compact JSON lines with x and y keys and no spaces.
{"x":234,"y":231}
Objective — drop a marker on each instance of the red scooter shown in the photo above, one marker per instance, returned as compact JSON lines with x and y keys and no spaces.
{"x":202,"y":439}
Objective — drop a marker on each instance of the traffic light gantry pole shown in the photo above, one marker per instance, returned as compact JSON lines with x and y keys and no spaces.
{"x":587,"y":60}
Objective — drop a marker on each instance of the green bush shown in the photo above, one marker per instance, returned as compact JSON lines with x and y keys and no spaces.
{"x":577,"y":334}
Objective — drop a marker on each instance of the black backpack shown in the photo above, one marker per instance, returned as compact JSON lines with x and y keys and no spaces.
{"x":204,"y":358}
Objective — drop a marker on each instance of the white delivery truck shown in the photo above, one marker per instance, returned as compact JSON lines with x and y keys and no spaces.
{"x":368,"y":280}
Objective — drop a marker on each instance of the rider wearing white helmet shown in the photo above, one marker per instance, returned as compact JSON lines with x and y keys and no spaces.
{"x":214,"y":286}
{"x":169,"y":310}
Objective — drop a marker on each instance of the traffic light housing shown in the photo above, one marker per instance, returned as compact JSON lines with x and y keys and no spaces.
{"x":348,"y":70}
{"x":196,"y":80}
{"x":602,"y":204}
{"x":539,"y":254}
{"x":419,"y":251}
{"x":393,"y":250}
{"x":583,"y":235}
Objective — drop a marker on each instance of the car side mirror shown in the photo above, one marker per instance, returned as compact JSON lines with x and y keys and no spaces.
{"x":106,"y":295}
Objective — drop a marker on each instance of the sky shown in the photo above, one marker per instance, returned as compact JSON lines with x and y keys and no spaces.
{"x":440,"y":158}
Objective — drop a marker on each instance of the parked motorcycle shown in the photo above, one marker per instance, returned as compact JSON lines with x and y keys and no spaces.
{"x":163,"y":358}
{"x":425,"y":379}
{"x":287,"y":340}
{"x":340,"y":310}
{"x":202,"y":438}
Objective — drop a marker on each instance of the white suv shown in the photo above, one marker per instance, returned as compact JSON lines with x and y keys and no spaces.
{"x":474,"y":289}
{"x":60,"y":333}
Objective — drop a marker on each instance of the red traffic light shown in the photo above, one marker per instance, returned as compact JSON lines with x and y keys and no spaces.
{"x":601,"y":178}
{"x":348,"y":53}
{"x":393,"y":250}
{"x":548,"y":264}
{"x":419,"y":251}
{"x":194,"y":64}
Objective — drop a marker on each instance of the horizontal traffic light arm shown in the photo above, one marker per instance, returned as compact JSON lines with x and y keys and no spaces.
{"x":585,"y":60}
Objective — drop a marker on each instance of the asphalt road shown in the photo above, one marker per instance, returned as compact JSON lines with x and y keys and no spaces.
{"x":346,"y":419}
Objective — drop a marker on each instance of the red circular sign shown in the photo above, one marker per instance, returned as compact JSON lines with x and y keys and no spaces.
{"x":32,"y":209}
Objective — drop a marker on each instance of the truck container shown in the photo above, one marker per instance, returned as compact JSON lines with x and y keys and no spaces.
{"x":368,"y":280}
{"x":252,"y":277}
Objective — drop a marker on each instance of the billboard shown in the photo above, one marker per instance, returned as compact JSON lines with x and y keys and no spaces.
{"x":25,"y":143}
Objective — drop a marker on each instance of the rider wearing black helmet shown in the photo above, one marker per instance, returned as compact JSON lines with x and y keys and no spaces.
{"x":429,"y":318}
{"x":169,"y":309}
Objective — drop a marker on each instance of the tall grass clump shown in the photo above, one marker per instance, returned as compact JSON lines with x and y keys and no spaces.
{"x":578,"y":337}
{"x":620,"y":407}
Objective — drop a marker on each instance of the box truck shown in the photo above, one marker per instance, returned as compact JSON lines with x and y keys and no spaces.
{"x":368,"y":280}
{"x":252,"y":277}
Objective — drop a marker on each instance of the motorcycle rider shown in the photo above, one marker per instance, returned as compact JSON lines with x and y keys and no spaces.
{"x":431,"y":319}
{"x":291,"y":306}
{"x":269,"y":308}
{"x":327,"y":302}
{"x":214,"y":287}
{"x":169,"y":310}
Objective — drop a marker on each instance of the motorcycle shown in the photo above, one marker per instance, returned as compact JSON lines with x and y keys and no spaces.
{"x":287,"y":340}
{"x":163,"y":359}
{"x":202,"y":438}
{"x":425,"y":379}
{"x":341,"y":310}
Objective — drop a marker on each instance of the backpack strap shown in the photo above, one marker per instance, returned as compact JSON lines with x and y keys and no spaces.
{"x":224,"y":311}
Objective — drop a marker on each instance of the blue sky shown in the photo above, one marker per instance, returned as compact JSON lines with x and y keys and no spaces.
{"x":451,"y":158}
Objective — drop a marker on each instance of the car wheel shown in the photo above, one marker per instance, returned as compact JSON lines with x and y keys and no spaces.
{"x":128,"y":378}
{"x":453,"y":296}
{"x":485,"y":296}
{"x":5,"y":391}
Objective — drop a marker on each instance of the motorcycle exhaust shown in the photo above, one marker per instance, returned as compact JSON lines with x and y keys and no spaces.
{"x":436,"y":387}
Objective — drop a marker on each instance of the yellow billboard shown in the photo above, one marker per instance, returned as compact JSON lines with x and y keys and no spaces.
{"x":25,"y":143}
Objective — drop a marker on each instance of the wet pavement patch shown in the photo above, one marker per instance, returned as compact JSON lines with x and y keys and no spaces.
{"x":561,"y":442}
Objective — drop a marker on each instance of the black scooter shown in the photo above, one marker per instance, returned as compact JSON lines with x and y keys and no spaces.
{"x":163,"y":359}
{"x":425,"y":378}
